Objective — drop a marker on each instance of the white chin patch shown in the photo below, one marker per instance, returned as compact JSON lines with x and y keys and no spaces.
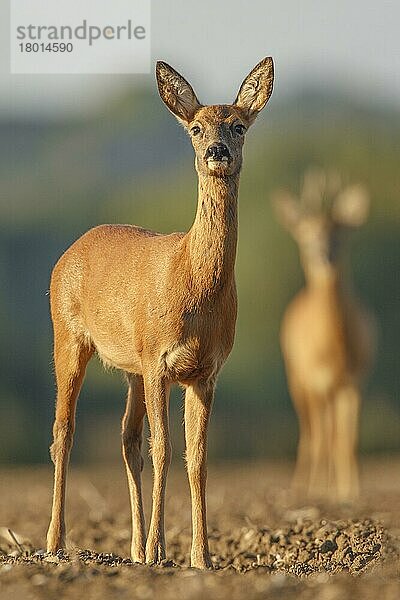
{"x":216,"y":165}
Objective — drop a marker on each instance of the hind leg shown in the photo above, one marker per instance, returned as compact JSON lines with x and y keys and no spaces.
{"x":132,"y":428}
{"x":71,"y":356}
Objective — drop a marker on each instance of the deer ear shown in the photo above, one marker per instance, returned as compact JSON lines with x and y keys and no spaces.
{"x":256,"y":89}
{"x":351,"y":206}
{"x":176,"y":93}
{"x":287,"y":209}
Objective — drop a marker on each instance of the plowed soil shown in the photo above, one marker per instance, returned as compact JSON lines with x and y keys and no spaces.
{"x":264,"y":542}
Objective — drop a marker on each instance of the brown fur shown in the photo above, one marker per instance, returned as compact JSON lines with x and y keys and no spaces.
{"x":326,"y":342}
{"x":162,"y":308}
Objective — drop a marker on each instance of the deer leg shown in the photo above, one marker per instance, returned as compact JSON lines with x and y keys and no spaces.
{"x":198,"y":404}
{"x":346,"y":406}
{"x":132,"y":429}
{"x":302,"y":469}
{"x":329,"y":432}
{"x":71,"y":357}
{"x":157,"y":406}
{"x":317,"y":442}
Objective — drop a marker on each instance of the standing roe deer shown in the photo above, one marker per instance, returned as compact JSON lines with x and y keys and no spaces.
{"x":162,"y":308}
{"x":326,"y":336}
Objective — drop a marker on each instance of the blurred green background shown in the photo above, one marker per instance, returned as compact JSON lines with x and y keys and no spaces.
{"x":124,"y":159}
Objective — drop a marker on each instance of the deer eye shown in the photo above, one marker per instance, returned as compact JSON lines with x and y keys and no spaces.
{"x":239,"y":129}
{"x":195,"y":130}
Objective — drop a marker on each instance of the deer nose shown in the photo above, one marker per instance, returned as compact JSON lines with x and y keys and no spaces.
{"x":217,"y":152}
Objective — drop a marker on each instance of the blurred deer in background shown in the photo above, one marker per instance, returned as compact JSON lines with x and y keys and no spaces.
{"x":162,"y":308}
{"x":326,"y":335}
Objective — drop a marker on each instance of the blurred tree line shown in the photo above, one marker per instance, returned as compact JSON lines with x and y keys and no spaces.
{"x":131,"y":163}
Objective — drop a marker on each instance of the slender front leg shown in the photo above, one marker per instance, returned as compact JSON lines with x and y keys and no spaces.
{"x":318,"y":466}
{"x":132,"y":429}
{"x":301,"y":472}
{"x":198,"y":404}
{"x":346,"y":407}
{"x":157,"y":405}
{"x":302,"y":469}
{"x":70,"y":357}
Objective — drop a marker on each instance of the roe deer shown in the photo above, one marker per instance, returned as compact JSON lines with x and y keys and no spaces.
{"x":162,"y":308}
{"x":326,"y":336}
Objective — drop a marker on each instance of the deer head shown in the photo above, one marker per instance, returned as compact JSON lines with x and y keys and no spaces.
{"x":217,"y":132}
{"x":320,"y":217}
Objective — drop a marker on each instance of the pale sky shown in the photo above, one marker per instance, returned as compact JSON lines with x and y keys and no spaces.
{"x":353,"y":44}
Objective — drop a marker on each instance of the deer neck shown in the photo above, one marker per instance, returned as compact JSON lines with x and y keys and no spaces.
{"x":331,"y":283}
{"x":213,"y":236}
